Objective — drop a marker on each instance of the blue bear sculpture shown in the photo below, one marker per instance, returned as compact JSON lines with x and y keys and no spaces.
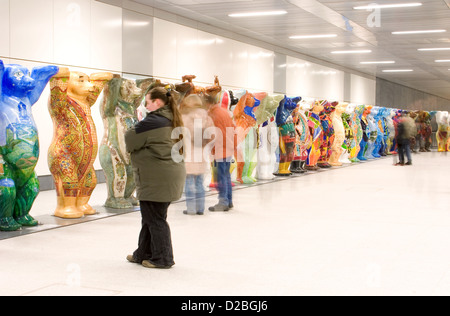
{"x":19,"y":144}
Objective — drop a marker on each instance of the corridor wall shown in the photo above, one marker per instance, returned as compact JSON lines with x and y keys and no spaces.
{"x":308,"y":80}
{"x":389,"y":93}
{"x":181,"y":50}
{"x":84,"y":35}
{"x":138,"y":42}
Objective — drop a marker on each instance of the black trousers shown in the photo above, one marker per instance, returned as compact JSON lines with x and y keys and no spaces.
{"x":155,"y":241}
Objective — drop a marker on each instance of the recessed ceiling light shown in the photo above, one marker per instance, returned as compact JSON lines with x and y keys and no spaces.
{"x":254,"y":14}
{"x":352,"y":52}
{"x":418,"y":32}
{"x":388,"y":6}
{"x":432,"y":49}
{"x":443,"y":61}
{"x":377,"y":62}
{"x":313,"y":36}
{"x":398,"y":70}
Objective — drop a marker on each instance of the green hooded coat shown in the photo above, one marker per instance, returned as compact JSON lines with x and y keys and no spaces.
{"x":158,"y":177}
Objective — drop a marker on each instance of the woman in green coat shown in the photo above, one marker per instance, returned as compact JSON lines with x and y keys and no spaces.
{"x":159,"y":179}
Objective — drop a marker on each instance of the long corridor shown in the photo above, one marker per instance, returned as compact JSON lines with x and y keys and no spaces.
{"x":369,"y":229}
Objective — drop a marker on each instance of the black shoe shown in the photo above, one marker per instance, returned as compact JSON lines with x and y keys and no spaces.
{"x":231,"y":206}
{"x":295,"y":167}
{"x":303,"y":167}
{"x":409,"y":163}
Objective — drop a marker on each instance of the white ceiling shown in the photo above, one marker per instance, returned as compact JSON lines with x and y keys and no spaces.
{"x":307,"y":17}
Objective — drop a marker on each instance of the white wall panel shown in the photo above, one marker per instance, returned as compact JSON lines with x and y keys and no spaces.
{"x":72,"y":27}
{"x":180,"y":50}
{"x":363,"y":90}
{"x":137,"y":46}
{"x":31,"y":29}
{"x":4,"y":28}
{"x":164,"y":49}
{"x":106,"y":36}
{"x":187,"y":47}
{"x":311,"y":80}
{"x":297,"y":81}
{"x":223,"y":60}
{"x":208,"y":57}
{"x":332,"y":83}
{"x":260,"y":69}
{"x":239,"y":64}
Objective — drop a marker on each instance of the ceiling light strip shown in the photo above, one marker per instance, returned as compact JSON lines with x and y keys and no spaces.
{"x":388,"y":6}
{"x":352,"y":52}
{"x":313,"y":36}
{"x":256,"y":14}
{"x":433,"y":49}
{"x":398,"y":70}
{"x":377,"y":62}
{"x":418,"y":32}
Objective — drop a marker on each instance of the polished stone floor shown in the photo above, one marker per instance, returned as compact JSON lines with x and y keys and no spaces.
{"x":369,"y":229}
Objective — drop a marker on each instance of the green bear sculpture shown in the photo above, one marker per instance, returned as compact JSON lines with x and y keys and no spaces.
{"x":118,"y":110}
{"x":19,"y":143}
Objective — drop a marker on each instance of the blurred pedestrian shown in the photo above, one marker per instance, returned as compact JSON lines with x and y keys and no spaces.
{"x":196,"y":120}
{"x":224,"y":151}
{"x":405,"y":131}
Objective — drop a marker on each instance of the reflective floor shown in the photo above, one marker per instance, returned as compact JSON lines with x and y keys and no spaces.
{"x":370,"y":229}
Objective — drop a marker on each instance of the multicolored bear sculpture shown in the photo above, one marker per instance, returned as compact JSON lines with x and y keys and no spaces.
{"x":74,"y":147}
{"x":19,"y":143}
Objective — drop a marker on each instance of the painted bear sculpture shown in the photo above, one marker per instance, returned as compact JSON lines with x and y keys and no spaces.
{"x":74,"y":146}
{"x":118,"y":110}
{"x":328,"y":134}
{"x":245,"y":120}
{"x":302,"y":137}
{"x":287,"y":133}
{"x":268,"y":136}
{"x":316,"y":134}
{"x":19,"y":143}
{"x":442,"y":119}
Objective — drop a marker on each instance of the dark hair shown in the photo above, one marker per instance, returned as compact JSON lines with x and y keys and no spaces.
{"x":167,"y":96}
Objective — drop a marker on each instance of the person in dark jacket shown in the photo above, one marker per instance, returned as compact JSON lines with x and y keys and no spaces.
{"x":159,"y":179}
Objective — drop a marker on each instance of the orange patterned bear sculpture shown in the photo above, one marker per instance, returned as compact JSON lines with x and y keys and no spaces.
{"x":245,"y":120}
{"x":74,"y":147}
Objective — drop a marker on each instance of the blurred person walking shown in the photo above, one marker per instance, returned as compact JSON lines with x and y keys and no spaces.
{"x":406,"y":129}
{"x":196,"y":120}
{"x":223,"y":152}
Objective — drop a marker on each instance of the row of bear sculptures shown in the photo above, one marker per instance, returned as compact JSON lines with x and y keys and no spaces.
{"x":306,"y":135}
